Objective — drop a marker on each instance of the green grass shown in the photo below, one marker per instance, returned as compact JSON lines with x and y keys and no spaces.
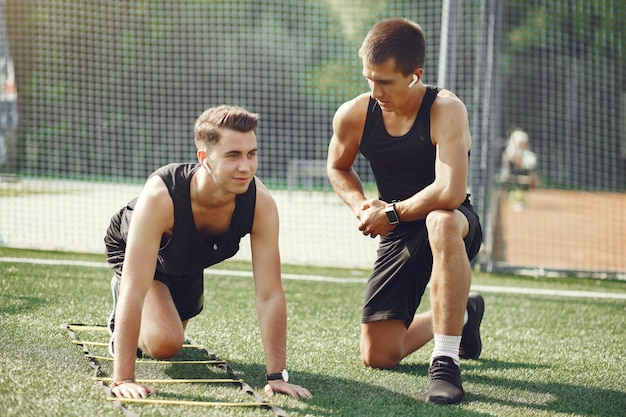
{"x":543,"y":355}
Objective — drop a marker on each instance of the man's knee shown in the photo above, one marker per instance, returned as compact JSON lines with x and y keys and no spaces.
{"x":439,"y":221}
{"x":446,"y":225}
{"x":381,"y":343}
{"x":380,"y":360}
{"x":162,"y":346}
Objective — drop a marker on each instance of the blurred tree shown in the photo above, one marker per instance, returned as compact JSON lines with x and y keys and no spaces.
{"x":563,"y":82}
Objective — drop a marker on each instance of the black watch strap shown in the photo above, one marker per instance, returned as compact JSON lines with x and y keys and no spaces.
{"x":279,"y":376}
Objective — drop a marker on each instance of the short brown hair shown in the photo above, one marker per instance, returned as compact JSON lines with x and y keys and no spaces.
{"x":209,"y":126}
{"x":396,"y":38}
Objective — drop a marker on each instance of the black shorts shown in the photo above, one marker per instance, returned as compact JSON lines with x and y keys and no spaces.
{"x":403,"y":267}
{"x":187,"y":292}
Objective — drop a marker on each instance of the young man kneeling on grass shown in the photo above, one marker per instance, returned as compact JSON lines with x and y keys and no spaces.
{"x":416,"y":138}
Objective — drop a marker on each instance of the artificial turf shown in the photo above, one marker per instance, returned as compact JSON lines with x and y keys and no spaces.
{"x":543,"y":355}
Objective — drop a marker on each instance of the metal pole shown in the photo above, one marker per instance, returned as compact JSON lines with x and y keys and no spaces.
{"x":486,"y":120}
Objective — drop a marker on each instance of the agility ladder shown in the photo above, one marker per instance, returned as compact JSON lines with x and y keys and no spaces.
{"x":104,"y":382}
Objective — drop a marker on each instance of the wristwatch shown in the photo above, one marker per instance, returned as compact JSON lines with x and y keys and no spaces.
{"x":392,"y":216}
{"x":284,"y":375}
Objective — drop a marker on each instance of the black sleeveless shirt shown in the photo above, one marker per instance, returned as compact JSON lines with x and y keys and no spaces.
{"x":184,"y":251}
{"x":402,"y":165}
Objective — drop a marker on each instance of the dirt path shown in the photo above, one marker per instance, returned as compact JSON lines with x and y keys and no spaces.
{"x":563,"y":230}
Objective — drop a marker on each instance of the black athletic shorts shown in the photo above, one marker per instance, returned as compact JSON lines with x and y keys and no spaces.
{"x":403,"y":267}
{"x":187,"y":290}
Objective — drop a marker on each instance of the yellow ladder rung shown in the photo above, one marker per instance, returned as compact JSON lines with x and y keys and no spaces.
{"x":195,"y":403}
{"x":175,"y":381}
{"x":163,"y":362}
{"x":90,"y":343}
{"x":86,"y":327}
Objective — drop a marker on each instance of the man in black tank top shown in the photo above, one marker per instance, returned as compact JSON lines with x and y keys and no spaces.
{"x":187,"y":218}
{"x":416,"y":139}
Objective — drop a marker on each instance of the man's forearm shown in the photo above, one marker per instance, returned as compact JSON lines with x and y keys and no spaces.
{"x":126,"y":336}
{"x":273,"y":324}
{"x":348,"y":187}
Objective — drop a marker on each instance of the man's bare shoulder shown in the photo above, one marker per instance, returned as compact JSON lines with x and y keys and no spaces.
{"x":353,"y":109}
{"x":264,"y":198}
{"x":448,"y":106}
{"x":350,"y":116}
{"x":449,"y":99}
{"x":449,"y":118}
{"x":154,"y":187}
{"x":154,"y":209}
{"x":265,"y":212}
{"x":156,"y":196}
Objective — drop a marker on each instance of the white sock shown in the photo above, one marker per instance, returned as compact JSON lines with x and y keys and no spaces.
{"x":446,"y":346}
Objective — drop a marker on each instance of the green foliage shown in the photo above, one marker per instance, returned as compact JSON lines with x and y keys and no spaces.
{"x":599,"y":25}
{"x":120,"y":83}
{"x":562,"y":48}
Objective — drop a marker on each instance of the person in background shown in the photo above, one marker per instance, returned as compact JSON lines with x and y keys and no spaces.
{"x":518,"y":170}
{"x":190,"y":216}
{"x":417,"y":141}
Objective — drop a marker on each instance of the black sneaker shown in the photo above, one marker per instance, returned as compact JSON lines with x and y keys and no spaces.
{"x":115,"y":292}
{"x":471,"y":345}
{"x":444,"y":382}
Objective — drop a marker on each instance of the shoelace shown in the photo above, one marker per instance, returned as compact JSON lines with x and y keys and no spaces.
{"x":442,"y":369}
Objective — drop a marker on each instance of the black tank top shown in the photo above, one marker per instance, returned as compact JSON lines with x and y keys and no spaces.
{"x":402,"y":165}
{"x":184,"y":252}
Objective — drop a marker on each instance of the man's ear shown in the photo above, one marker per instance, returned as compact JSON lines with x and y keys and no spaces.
{"x":417,"y":75}
{"x":203,"y":158}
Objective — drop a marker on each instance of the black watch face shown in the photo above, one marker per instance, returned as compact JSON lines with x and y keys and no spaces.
{"x":392,"y":217}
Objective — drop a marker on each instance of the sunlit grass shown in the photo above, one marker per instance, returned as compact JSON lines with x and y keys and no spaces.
{"x":542,"y":356}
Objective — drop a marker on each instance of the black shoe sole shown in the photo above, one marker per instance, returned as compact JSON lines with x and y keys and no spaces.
{"x":444,"y":401}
